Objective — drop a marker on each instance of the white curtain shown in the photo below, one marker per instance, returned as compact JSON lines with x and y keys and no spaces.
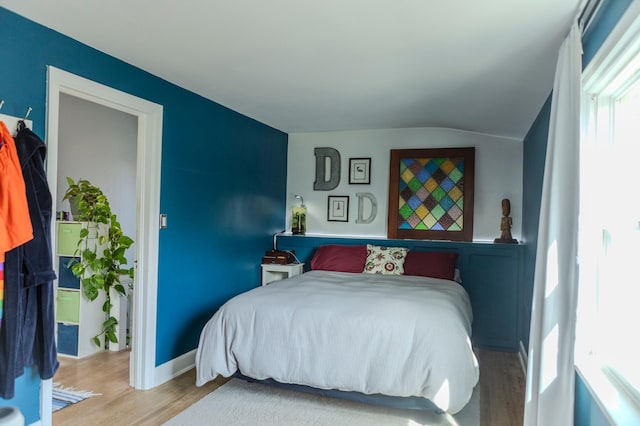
{"x":550,"y":372}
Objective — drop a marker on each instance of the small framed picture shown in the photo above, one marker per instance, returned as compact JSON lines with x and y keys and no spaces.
{"x":338,"y":208}
{"x":359,"y":171}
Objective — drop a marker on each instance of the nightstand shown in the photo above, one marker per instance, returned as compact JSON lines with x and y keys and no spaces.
{"x":274,"y":272}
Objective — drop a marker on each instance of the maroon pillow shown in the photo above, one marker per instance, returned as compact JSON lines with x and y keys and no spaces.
{"x":339,"y":258}
{"x":435,"y":264}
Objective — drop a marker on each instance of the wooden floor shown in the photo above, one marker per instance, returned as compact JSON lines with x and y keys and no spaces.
{"x":501,"y":397}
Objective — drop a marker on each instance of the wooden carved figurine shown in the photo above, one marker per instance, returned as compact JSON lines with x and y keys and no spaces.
{"x":505,"y":225}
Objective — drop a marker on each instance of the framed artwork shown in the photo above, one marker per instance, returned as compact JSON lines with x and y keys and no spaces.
{"x":360,"y":171}
{"x":431,"y":194}
{"x":338,"y":208}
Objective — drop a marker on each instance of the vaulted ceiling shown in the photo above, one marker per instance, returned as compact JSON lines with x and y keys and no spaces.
{"x":299,"y":66}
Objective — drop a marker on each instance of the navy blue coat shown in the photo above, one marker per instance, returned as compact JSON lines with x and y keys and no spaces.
{"x":27,"y":333}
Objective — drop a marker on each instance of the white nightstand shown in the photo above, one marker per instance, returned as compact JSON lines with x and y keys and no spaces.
{"x":274,"y":272}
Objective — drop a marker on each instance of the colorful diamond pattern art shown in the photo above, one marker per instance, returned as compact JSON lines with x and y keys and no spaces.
{"x":431,"y":194}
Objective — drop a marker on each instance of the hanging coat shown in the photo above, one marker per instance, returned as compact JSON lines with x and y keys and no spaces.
{"x":15,"y":224}
{"x":27,"y":333}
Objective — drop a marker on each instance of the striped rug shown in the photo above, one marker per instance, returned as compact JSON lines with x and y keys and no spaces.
{"x":63,"y":397}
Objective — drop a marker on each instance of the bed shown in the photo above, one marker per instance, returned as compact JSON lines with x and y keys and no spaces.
{"x":397,"y":335}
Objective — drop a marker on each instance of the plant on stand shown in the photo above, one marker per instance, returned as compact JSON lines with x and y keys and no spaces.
{"x":101,"y":265}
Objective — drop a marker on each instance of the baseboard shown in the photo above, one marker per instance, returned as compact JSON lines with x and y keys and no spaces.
{"x":174,"y":368}
{"x":523,"y":358}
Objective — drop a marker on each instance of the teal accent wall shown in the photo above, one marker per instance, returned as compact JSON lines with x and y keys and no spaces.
{"x":534,"y":152}
{"x":223,"y":182}
{"x":27,"y":396}
{"x":608,"y":16}
{"x":586,"y":410}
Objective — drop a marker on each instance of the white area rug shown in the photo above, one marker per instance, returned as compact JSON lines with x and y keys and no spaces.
{"x":241,"y":403}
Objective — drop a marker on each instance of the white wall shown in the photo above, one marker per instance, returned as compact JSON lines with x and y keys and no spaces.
{"x":99,"y":144}
{"x":498,"y":175}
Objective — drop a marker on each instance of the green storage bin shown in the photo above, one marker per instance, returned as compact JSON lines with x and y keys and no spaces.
{"x":68,"y":306}
{"x":68,"y":237}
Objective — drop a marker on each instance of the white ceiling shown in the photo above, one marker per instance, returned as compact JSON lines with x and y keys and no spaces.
{"x":484,"y":66}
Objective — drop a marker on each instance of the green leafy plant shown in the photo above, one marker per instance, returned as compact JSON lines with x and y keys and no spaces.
{"x":101,"y":265}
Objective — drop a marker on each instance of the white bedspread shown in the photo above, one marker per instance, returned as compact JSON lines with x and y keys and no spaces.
{"x":394,"y":335}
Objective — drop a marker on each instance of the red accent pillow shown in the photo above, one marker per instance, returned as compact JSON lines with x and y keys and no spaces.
{"x":435,"y":264}
{"x":339,"y":258}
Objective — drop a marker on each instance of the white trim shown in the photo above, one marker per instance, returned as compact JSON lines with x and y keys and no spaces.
{"x":175,"y":367}
{"x":607,"y":77}
{"x":522,"y":355}
{"x":614,"y":52}
{"x":588,"y":10}
{"x":142,"y":369}
{"x":46,"y":405}
{"x":595,"y":378}
{"x":614,"y":404}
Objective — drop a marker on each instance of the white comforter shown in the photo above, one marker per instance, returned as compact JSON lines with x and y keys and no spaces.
{"x":394,"y":335}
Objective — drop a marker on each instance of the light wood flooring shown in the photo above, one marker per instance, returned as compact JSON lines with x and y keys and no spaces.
{"x":501,"y":398}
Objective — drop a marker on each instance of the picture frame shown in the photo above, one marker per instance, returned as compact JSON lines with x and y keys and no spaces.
{"x":431,"y":194}
{"x":338,"y":208}
{"x":359,"y":171}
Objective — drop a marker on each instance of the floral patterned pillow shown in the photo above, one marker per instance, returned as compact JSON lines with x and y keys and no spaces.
{"x":385,"y":260}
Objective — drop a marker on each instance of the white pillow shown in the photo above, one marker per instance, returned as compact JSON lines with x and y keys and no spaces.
{"x":385,"y":260}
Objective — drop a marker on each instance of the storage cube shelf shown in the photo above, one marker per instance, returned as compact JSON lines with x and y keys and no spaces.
{"x":68,"y":339}
{"x":68,"y":306}
{"x":77,"y":318}
{"x":68,"y":237}
{"x":65,"y":276}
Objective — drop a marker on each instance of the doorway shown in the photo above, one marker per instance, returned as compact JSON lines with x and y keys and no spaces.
{"x":148,"y":117}
{"x":98,"y":143}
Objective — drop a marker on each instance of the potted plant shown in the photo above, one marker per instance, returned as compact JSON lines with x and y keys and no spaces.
{"x":101,"y":265}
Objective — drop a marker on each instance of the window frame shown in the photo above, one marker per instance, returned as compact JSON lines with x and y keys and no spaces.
{"x":609,"y":77}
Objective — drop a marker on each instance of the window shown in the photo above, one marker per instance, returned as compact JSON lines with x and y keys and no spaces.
{"x":609,"y":240}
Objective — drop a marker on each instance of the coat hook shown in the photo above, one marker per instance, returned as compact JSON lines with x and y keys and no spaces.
{"x":1,"y":103}
{"x":27,"y":114}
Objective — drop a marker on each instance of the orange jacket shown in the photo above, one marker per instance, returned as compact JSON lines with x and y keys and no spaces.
{"x":15,"y":223}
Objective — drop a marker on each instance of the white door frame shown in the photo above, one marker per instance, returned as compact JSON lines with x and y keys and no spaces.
{"x":149,"y":114}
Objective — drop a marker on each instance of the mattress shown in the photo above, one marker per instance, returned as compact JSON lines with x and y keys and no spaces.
{"x":374,"y":334}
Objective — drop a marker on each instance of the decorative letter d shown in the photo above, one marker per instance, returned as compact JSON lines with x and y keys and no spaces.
{"x":321,"y":184}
